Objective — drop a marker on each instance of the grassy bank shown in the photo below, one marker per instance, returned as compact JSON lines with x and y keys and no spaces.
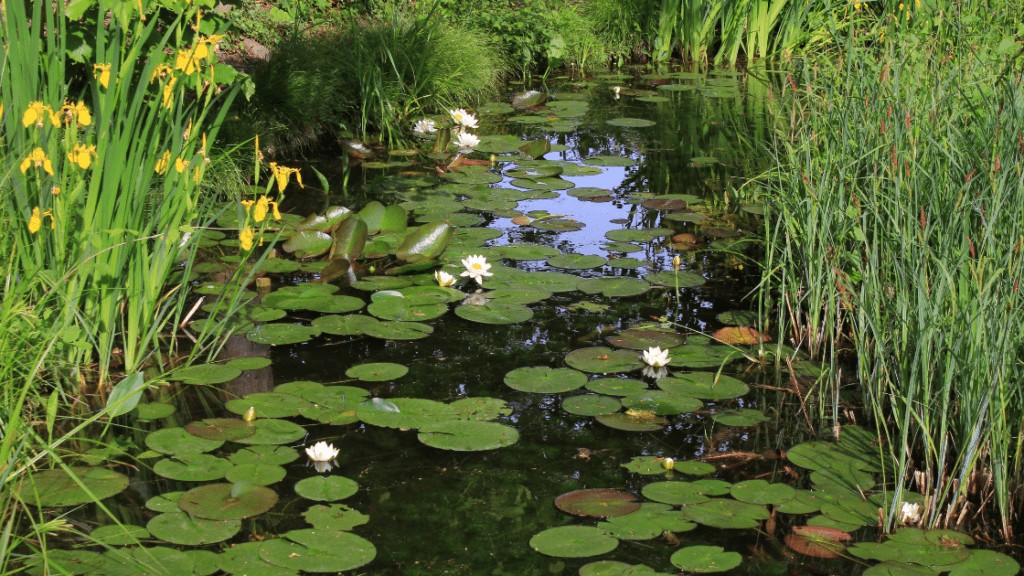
{"x":896,"y":252}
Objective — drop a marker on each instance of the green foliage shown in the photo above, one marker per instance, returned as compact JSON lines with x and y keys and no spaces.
{"x":269,"y":23}
{"x":371,"y":77}
{"x":624,"y":26}
{"x":898,"y":200}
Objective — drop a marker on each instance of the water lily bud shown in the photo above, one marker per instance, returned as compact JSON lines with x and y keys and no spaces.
{"x":373,"y":269}
{"x":676,"y":262}
{"x":668,"y":463}
{"x":250,"y":414}
{"x":494,"y":159}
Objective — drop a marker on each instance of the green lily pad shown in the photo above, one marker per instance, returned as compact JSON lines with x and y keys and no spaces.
{"x":205,"y":374}
{"x":244,"y":560}
{"x":375,"y":283}
{"x":726,"y":513}
{"x":476,"y":408}
{"x":308,"y":243}
{"x":703,"y":385}
{"x":223,"y":429}
{"x":264,"y":454}
{"x":397,"y":330}
{"x":577,"y":261}
{"x":609,"y":161}
{"x":705,"y":559}
{"x":650,"y":521}
{"x":985,"y":563}
{"x":494,"y":313}
{"x":662,"y":403}
{"x":591,"y":405}
{"x":184,"y":530}
{"x":631,"y":122}
{"x":513,"y":296}
{"x":544,"y":380}
{"x":258,"y":474}
{"x":268,"y":405}
{"x":348,"y":325}
{"x":192,"y":467}
{"x":644,"y":338}
{"x":603,"y":360}
{"x":591,"y":193}
{"x":703,"y":356}
{"x":738,"y":318}
{"x":618,"y":287}
{"x":897,"y":569}
{"x":334,"y":517}
{"x":73,"y":562}
{"x":467,"y":435}
{"x":154,"y":410}
{"x":525,"y":252}
{"x":683,"y":279}
{"x":149,"y":560}
{"x":552,"y":183}
{"x":647,"y":465}
{"x":616,"y":386}
{"x":249,"y":362}
{"x":677,"y":87}
{"x":615,"y":568}
{"x":546,"y":281}
{"x":179,"y":441}
{"x":762,"y":492}
{"x":377,"y":371}
{"x":632,"y":423}
{"x":119,"y":534}
{"x":274,"y":431}
{"x":281,"y":333}
{"x":740,"y":417}
{"x":803,"y":502}
{"x":597,"y":502}
{"x":559,"y":224}
{"x":678,"y":493}
{"x":411,"y":413}
{"x":637,"y":235}
{"x":320,"y":551}
{"x":407,"y":309}
{"x":624,"y":247}
{"x":166,"y":502}
{"x":326,"y":488}
{"x":224,"y":501}
{"x":573,"y":542}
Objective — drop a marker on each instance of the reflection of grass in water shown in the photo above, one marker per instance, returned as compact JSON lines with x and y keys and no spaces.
{"x":898,"y":233}
{"x":371,"y":78}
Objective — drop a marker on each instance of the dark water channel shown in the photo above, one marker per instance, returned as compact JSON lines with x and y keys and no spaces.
{"x":434,"y":511}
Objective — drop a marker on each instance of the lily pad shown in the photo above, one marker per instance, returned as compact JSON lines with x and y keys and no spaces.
{"x":57,"y":488}
{"x":603,"y":360}
{"x":397,"y":330}
{"x":227,"y":501}
{"x":154,"y":410}
{"x":326,"y":488}
{"x":192,"y":467}
{"x":180,"y":441}
{"x":559,"y":224}
{"x":281,"y":333}
{"x":702,"y":356}
{"x":244,"y":560}
{"x":615,"y":568}
{"x":467,"y":435}
{"x":264,"y":454}
{"x":740,"y":417}
{"x":616,"y":386}
{"x":705,"y":559}
{"x":703,"y":385}
{"x":476,"y":408}
{"x":631,"y":122}
{"x":760,"y":491}
{"x":597,"y":502}
{"x":609,"y":161}
{"x":577,"y":261}
{"x":410,"y":413}
{"x":637,"y":235}
{"x":544,"y":380}
{"x":632,"y":422}
{"x":591,"y":405}
{"x":649,"y":521}
{"x":274,"y":431}
{"x":184,"y":530}
{"x":223,"y":429}
{"x":119,"y":534}
{"x":618,"y":287}
{"x":205,"y":374}
{"x":726,"y":513}
{"x":258,"y":474}
{"x":644,"y":338}
{"x":318,"y":551}
{"x":377,"y":371}
{"x":985,"y":563}
{"x":573,"y":542}
{"x":334,"y":517}
{"x":249,"y":362}
{"x":268,"y":404}
{"x":494,"y":313}
{"x":662,"y":403}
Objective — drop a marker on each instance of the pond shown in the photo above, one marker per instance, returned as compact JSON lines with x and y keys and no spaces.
{"x":519,"y":431}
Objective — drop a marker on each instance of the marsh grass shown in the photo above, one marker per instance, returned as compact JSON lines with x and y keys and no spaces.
{"x":370,"y":77}
{"x":896,"y":244}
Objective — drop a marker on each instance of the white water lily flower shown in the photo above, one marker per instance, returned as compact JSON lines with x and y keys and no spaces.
{"x":444,"y":279}
{"x":656,"y":357}
{"x":476,"y":268}
{"x":322,"y":452}
{"x":463,"y":118}
{"x":424,"y":127}
{"x":467,"y":141}
{"x":910,"y":513}
{"x":654,"y":373}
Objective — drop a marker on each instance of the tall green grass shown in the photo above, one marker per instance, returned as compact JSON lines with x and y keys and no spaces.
{"x":370,"y":77}
{"x":895,"y":250}
{"x":103,"y":162}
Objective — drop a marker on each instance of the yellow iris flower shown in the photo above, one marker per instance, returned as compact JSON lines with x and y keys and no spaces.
{"x":78,"y":112}
{"x":180,"y":165}
{"x":282,"y":174}
{"x":168,"y":92}
{"x":37,"y":159}
{"x":102,"y":73}
{"x":245,"y":238}
{"x":37,"y":113}
{"x":36,"y":220}
{"x":82,"y":155}
{"x":163,"y":162}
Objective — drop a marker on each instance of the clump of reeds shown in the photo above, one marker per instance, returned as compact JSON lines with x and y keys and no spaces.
{"x":896,"y":234}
